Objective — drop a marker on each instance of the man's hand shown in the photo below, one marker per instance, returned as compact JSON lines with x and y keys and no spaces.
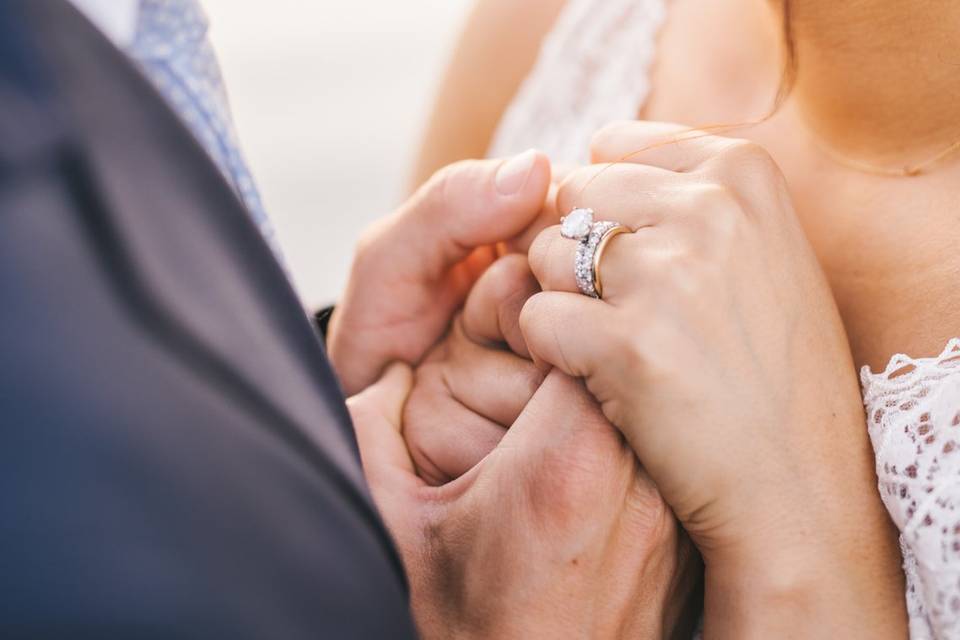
{"x":476,"y":382}
{"x":413,"y":269}
{"x":557,"y":533}
{"x":553,"y":531}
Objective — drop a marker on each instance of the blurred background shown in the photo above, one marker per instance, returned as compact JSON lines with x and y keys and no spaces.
{"x":330,"y":97}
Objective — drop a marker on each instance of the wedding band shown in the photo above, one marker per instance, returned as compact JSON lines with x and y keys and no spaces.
{"x":589,"y":253}
{"x":605,"y":239}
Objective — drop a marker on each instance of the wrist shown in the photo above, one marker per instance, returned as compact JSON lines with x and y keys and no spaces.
{"x":806,"y":584}
{"x":762,"y":597}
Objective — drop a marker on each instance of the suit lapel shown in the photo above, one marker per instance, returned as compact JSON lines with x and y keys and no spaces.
{"x":198,"y":274}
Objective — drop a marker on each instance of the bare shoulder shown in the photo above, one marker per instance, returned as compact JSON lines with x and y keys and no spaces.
{"x":496,"y":51}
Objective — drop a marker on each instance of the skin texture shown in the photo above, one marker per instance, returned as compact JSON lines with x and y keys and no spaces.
{"x":556,"y":533}
{"x":719,"y":352}
{"x":549,"y":529}
{"x":885,"y":245}
{"x":475,"y":382}
{"x":473,"y":385}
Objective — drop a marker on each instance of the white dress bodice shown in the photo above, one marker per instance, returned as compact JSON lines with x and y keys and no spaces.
{"x":593,"y":69}
{"x":913,"y":416}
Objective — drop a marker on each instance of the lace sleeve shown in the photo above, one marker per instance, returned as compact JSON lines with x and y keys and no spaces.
{"x":913,"y":411}
{"x":593,"y":69}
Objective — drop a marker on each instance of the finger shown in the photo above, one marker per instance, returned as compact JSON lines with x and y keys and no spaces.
{"x":668,"y":146}
{"x":622,"y":266}
{"x":445,"y":438}
{"x":491,"y":315}
{"x":464,"y":206}
{"x":564,"y":451}
{"x":565,"y":330}
{"x":560,"y":406}
{"x":548,"y":216}
{"x":634,"y":195}
{"x":496,"y":384}
{"x":376,"y":414}
{"x":553,"y":261}
{"x":561,"y":171}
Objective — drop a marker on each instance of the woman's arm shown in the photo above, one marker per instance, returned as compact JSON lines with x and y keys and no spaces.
{"x":718,"y":350}
{"x":495,"y":52}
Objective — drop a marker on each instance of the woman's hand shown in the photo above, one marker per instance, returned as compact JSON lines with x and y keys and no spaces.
{"x":718,"y":351}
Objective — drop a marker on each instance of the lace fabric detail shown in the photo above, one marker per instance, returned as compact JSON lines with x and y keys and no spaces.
{"x":593,"y":69}
{"x":913,"y":418}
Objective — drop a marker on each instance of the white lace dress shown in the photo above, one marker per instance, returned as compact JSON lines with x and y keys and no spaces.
{"x":594,"y":69}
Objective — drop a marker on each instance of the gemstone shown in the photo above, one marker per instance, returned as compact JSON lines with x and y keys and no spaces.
{"x":576,"y":225}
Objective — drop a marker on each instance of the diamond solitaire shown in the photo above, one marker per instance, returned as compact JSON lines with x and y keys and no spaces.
{"x":576,"y":225}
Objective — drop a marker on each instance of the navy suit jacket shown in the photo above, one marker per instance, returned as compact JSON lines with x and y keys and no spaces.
{"x":176,"y":459}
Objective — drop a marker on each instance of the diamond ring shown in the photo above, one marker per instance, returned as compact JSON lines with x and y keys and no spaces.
{"x":589,"y":253}
{"x":576,"y":225}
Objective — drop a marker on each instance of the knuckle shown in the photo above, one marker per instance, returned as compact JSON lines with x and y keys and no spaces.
{"x":508,"y":316}
{"x":685,"y":273}
{"x":361,"y":412}
{"x":655,"y":520}
{"x":370,"y":240}
{"x":508,"y":276}
{"x":734,"y":148}
{"x":569,"y":188}
{"x":738,"y":156}
{"x":531,"y":377}
{"x":450,"y":173}
{"x":424,"y":439}
{"x":530,"y":313}
{"x":608,"y":136}
{"x":718,"y":225}
{"x":718,"y":213}
{"x":434,"y":190}
{"x":441,"y":185}
{"x":709,"y":198}
{"x":451,"y":183}
{"x":536,"y":321}
{"x":648,"y":513}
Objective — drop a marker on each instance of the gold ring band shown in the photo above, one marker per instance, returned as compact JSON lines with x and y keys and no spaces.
{"x":605,"y":239}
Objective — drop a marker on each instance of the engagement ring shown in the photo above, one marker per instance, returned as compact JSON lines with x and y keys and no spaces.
{"x":576,"y":225}
{"x":592,"y":240}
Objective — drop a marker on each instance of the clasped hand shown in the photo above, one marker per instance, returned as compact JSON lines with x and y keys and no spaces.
{"x":557,"y":532}
{"x":519,"y":508}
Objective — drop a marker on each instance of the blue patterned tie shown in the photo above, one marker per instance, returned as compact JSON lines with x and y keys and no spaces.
{"x":171,"y":47}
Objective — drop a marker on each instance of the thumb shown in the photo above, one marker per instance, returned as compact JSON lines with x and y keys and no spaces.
{"x":469,"y":204}
{"x":377,"y":419}
{"x":549,"y":214}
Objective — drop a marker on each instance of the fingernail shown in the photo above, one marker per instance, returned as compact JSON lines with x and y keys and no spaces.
{"x":513,"y":174}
